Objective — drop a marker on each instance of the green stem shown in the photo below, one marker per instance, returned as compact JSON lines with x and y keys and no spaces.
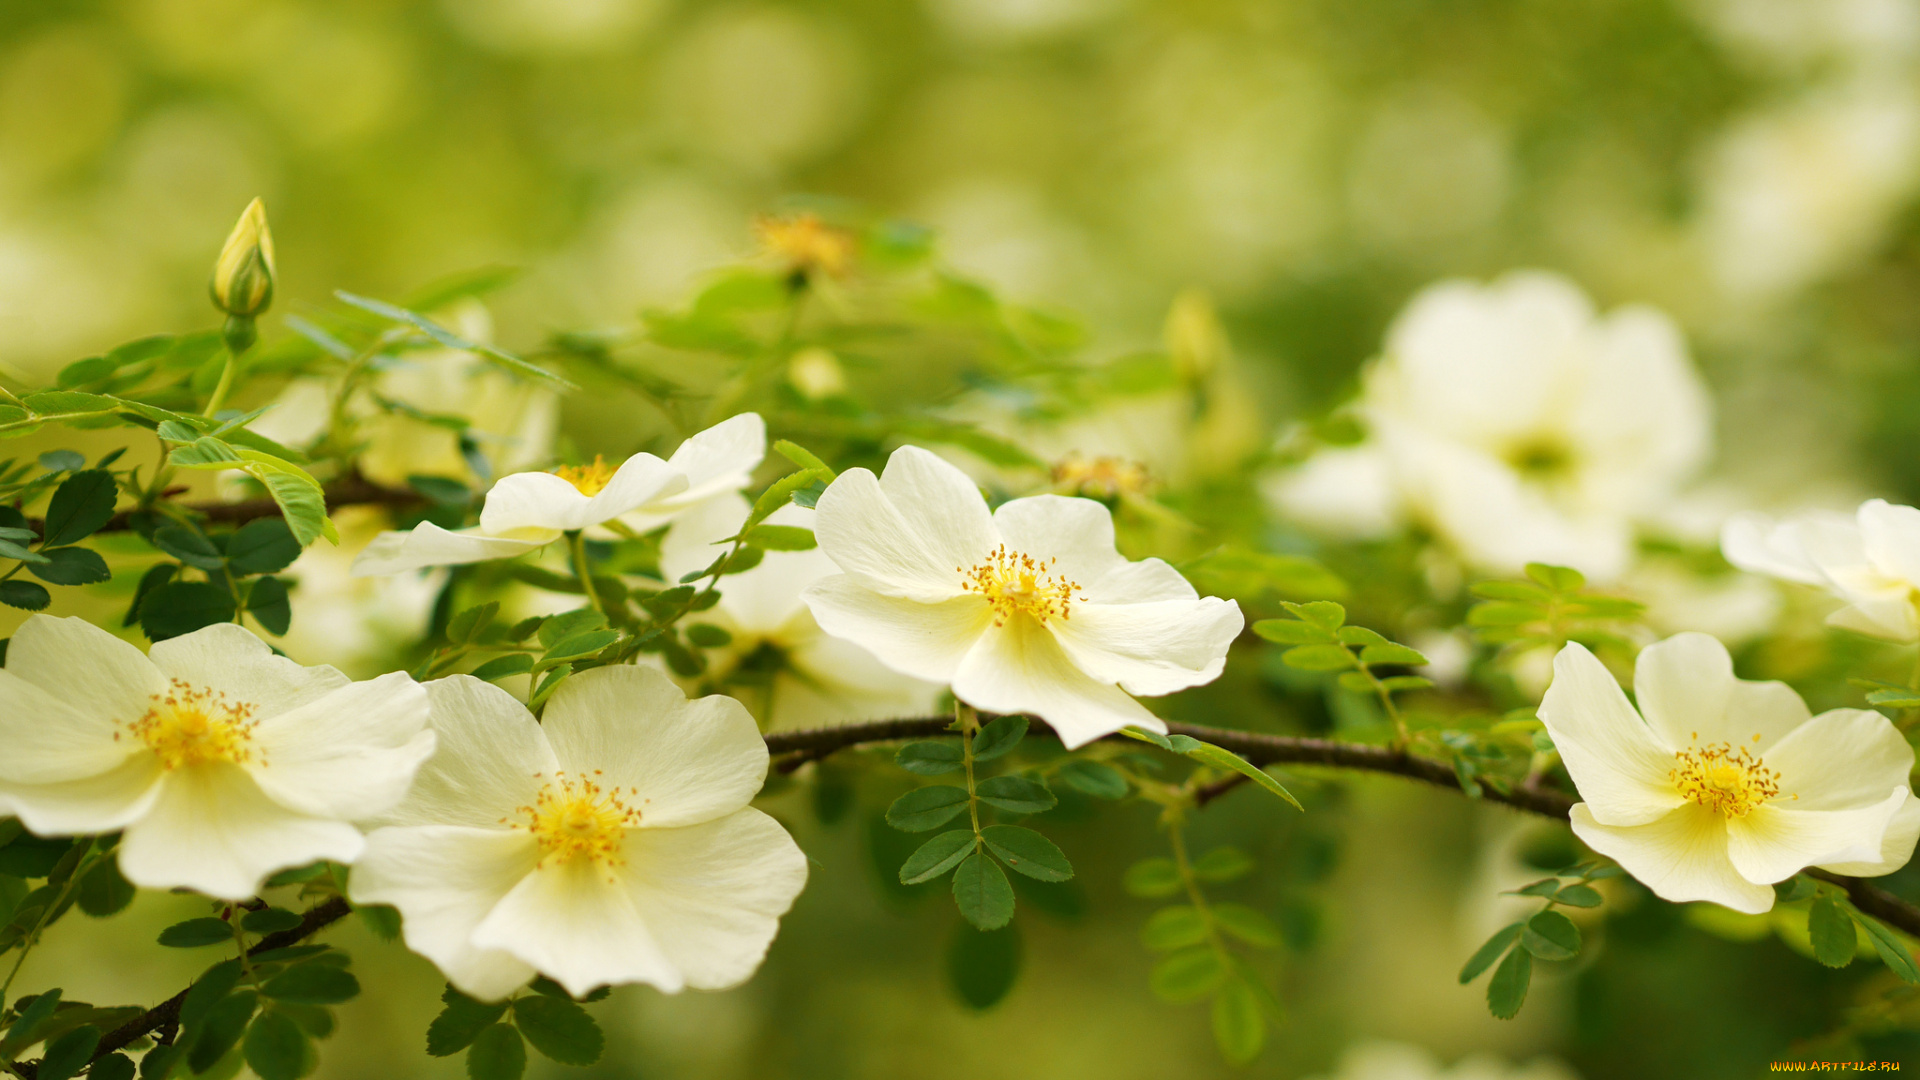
{"x":46,"y":916}
{"x":969,"y":723}
{"x":1177,"y":840}
{"x":577,"y":549}
{"x":225,"y":384}
{"x":1401,"y":737}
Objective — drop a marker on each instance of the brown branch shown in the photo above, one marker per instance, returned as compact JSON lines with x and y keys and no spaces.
{"x":350,"y":490}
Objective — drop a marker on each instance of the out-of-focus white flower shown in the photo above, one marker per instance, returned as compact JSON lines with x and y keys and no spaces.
{"x":528,"y":510}
{"x":820,"y":679}
{"x":1871,"y":560}
{"x":355,"y":623}
{"x":221,"y":761}
{"x":609,"y":843}
{"x":1733,"y":607}
{"x":1379,"y":1060}
{"x":1027,"y":609}
{"x":1519,"y":425}
{"x":1726,"y":786}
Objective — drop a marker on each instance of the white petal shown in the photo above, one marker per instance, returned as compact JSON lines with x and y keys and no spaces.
{"x":1896,"y":847}
{"x":1778,"y":840}
{"x":430,"y":545}
{"x":1621,"y":771}
{"x":98,"y":675}
{"x":1346,"y":491}
{"x":1640,"y":415}
{"x":642,"y":480}
{"x":763,"y":599}
{"x":350,"y":754}
{"x":834,"y":681}
{"x":490,"y":758}
{"x":47,"y":740}
{"x":718,"y":460}
{"x":231,"y":660}
{"x":690,"y":761}
{"x":99,"y":803}
{"x":692,"y":543}
{"x":1153,"y":648}
{"x":532,"y":500}
{"x":1687,"y":691}
{"x":574,"y":923}
{"x":712,"y":894}
{"x":910,"y":534}
{"x":1759,"y":545}
{"x":1681,"y":857}
{"x":1020,"y":668}
{"x":1893,"y":618}
{"x":924,"y":640}
{"x":1891,"y":536}
{"x":445,"y":880}
{"x":214,"y":831}
{"x":1840,"y":760}
{"x":1076,"y":535}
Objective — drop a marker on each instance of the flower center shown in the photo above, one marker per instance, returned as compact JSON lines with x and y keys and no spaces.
{"x":1015,"y":583}
{"x":1732,"y":781}
{"x":1542,"y":459}
{"x":1102,"y":477}
{"x":187,"y":725}
{"x":588,"y":480}
{"x":574,"y":817}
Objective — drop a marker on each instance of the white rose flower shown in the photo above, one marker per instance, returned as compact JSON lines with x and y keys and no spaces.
{"x":1871,"y":560}
{"x":529,"y":510}
{"x":1727,"y":786}
{"x":1519,"y":425}
{"x":822,"y":680}
{"x":1027,"y":609}
{"x":221,"y":761}
{"x":1379,"y":1060}
{"x":609,"y":843}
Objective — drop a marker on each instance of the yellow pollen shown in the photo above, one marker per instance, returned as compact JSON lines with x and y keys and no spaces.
{"x":1723,"y":778}
{"x":588,"y":480}
{"x":1102,"y":477}
{"x":187,"y":725}
{"x":574,"y":817}
{"x":1015,"y":583}
{"x":807,"y":244}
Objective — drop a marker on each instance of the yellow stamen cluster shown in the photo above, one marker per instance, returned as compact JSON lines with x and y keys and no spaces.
{"x":1102,"y":477}
{"x":588,"y":480}
{"x":1724,"y":778}
{"x":1019,"y":584}
{"x":575,"y":817}
{"x":187,"y":725}
{"x":807,"y":244}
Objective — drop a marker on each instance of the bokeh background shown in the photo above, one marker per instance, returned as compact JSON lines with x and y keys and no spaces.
{"x":1750,"y":166}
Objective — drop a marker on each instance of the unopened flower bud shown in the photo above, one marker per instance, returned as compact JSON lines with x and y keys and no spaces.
{"x":816,"y":374}
{"x":242,"y":283}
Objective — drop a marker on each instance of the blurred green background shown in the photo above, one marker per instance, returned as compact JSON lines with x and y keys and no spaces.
{"x":1750,"y":166}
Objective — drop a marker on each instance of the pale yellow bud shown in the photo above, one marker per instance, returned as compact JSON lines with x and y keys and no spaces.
{"x":1194,"y":336}
{"x":243,"y":275}
{"x":816,"y":374}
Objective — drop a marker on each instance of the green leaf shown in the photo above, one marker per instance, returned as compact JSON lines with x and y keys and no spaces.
{"x":276,"y":1048}
{"x":801,"y":456}
{"x":1507,"y":990}
{"x":439,"y":489}
{"x":1318,"y":657}
{"x":267,"y":601}
{"x":708,"y":636}
{"x":301,"y":502}
{"x":1543,"y":887}
{"x":1152,"y":878}
{"x":312,"y":984}
{"x":24,"y":595}
{"x":1360,"y":635}
{"x":104,"y":891}
{"x":1222,"y":758}
{"x":205,"y":452}
{"x":566,"y":625}
{"x":189,"y":546}
{"x":453,"y":341}
{"x":1174,"y":927}
{"x":1144,"y":736}
{"x":1562,"y":579}
{"x":1396,"y":683}
{"x":1834,"y":940}
{"x":1292,"y":632}
{"x":497,"y":1053}
{"x":1016,"y":794}
{"x":32,"y":1016}
{"x":1093,"y":778}
{"x":196,"y":933}
{"x":580,"y":645}
{"x":70,"y":566}
{"x":225,"y":1023}
{"x":780,"y":538}
{"x":560,"y":1029}
{"x":1797,"y":887}
{"x":467,"y":624}
{"x":1485,"y":955}
{"x":1188,"y":975}
{"x":936,"y":856}
{"x":781,"y":491}
{"x":1027,"y":852}
{"x":65,"y":1056}
{"x":502,"y":666}
{"x":1223,"y":864}
{"x":1895,"y":699}
{"x":982,"y":965}
{"x":1248,"y":925}
{"x":269,"y":920}
{"x":1893,"y":952}
{"x":982,"y":891}
{"x":1518,"y":591}
{"x":210,"y":989}
{"x":1324,"y":614}
{"x":181,"y":607}
{"x":926,"y":808}
{"x":81,"y":504}
{"x":382,"y":919}
{"x":1498,"y":613}
{"x":461,"y":1022}
{"x":1550,"y":935}
{"x":999,"y":737}
{"x":1239,"y":1026}
{"x":1391,"y":653}
{"x":262,"y":546}
{"x":1580,"y":896}
{"x":929,"y":758}
{"x":113,"y":1067}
